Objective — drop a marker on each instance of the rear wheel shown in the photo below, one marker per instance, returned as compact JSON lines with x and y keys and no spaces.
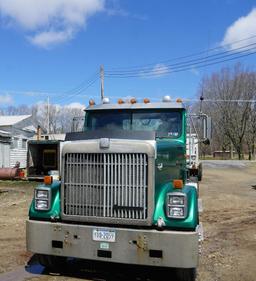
{"x":200,"y":172}
{"x":186,"y":274}
{"x":52,"y":262}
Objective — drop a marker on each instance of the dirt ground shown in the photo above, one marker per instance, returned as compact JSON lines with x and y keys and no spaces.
{"x":228,"y":252}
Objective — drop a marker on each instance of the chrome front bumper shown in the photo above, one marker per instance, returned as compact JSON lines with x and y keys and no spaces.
{"x":131,"y":246}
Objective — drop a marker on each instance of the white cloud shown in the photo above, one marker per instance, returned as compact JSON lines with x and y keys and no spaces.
{"x":48,"y":39}
{"x":195,"y":71}
{"x":242,"y":28}
{"x":5,"y":100}
{"x":49,"y":22}
{"x":157,"y":71}
{"x":75,"y":105}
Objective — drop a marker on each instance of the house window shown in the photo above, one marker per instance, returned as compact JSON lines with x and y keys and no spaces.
{"x":24,"y":144}
{"x":15,"y":143}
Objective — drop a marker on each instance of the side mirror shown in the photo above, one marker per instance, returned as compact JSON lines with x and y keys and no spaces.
{"x":207,"y":129}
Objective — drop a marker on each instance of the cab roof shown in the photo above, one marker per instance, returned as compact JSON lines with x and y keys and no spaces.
{"x":153,"y":105}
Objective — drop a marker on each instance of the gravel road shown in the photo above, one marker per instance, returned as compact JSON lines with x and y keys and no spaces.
{"x":228,"y":252}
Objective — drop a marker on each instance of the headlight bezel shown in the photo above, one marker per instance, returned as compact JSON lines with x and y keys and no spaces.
{"x":41,"y":199}
{"x":170,"y":205}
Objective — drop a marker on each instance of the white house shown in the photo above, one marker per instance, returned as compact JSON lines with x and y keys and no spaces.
{"x":15,"y":131}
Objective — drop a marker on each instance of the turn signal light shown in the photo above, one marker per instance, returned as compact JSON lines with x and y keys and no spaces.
{"x":48,"y":180}
{"x":177,"y":183}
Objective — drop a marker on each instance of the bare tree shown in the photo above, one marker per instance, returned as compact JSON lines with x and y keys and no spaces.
{"x":230,"y":89}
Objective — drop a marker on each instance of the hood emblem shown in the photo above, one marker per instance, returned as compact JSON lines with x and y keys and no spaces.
{"x":104,"y":143}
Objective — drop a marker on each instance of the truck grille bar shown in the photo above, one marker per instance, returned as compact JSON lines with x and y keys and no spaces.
{"x":107,"y":185}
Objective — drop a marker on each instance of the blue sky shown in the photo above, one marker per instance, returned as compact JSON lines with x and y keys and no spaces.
{"x":53,"y":48}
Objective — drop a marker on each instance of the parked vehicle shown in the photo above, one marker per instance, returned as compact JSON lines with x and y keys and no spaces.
{"x":123,"y":195}
{"x":43,"y":156}
{"x":194,"y":165}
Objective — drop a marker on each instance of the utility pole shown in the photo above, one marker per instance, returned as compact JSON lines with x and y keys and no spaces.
{"x":102,"y":81}
{"x":48,"y":115}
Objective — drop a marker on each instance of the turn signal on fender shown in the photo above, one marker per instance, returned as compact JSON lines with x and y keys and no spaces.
{"x":48,"y":180}
{"x":177,"y":183}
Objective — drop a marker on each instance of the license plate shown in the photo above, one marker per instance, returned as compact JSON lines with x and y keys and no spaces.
{"x":104,"y":235}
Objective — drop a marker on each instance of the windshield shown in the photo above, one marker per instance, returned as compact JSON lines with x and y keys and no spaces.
{"x":165,"y":123}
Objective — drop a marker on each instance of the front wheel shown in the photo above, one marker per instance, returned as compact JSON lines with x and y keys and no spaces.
{"x":52,"y":262}
{"x":185,"y":274}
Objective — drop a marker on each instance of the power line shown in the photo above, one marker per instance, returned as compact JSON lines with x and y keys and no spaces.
{"x":184,"y":66}
{"x":186,"y":56}
{"x":222,"y":100}
{"x":80,"y":88}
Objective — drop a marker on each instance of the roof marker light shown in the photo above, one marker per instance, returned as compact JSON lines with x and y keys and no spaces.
{"x":120,"y":101}
{"x":179,"y":100}
{"x":106,"y":100}
{"x":91,"y":102}
{"x":133,"y":100}
{"x":146,"y":100}
{"x":166,"y":99}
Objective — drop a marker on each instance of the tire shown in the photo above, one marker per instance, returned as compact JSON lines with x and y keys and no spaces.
{"x":52,"y":262}
{"x":186,"y":274}
{"x":200,"y":172}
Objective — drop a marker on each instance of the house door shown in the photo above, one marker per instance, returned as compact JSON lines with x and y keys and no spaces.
{"x":4,"y":155}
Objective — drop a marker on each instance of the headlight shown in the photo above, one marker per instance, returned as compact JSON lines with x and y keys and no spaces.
{"x":42,"y":204}
{"x":42,"y":198}
{"x":176,"y":205}
{"x":42,"y":194}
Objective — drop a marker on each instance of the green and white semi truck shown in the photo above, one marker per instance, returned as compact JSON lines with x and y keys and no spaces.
{"x":124,"y":196}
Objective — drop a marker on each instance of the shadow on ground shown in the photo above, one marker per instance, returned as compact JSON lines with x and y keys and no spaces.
{"x":77,"y":268}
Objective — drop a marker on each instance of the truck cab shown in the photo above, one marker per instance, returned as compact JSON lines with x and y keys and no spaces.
{"x":123,"y":195}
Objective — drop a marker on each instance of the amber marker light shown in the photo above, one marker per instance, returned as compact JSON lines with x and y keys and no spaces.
{"x":120,"y":101}
{"x":47,"y":180}
{"x":146,"y":100}
{"x":132,"y":101}
{"x":177,"y":183}
{"x":91,"y":102}
{"x":179,"y":100}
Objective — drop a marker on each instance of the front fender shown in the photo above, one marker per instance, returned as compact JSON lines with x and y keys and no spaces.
{"x":191,"y":221}
{"x":54,"y":211}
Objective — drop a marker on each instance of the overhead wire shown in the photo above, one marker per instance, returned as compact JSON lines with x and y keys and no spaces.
{"x":221,"y":47}
{"x":67,"y":95}
{"x":187,"y":65}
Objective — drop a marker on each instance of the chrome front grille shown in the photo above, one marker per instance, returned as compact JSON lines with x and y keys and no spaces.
{"x":106,"y":185}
